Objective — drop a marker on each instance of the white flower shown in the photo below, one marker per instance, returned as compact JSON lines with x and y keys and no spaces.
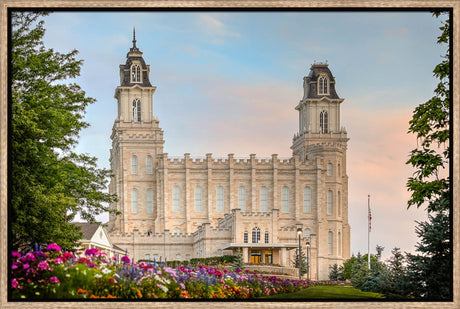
{"x":106,"y":271}
{"x":97,"y":276}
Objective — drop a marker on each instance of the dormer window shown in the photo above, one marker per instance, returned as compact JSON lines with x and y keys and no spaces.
{"x":135,"y":73}
{"x":137,"y":110}
{"x":323,"y":85}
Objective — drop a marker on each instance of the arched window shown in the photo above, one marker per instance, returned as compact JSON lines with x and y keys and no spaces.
{"x":176,"y":198}
{"x":307,"y":199}
{"x":329,"y":169}
{"x":135,"y":74}
{"x":176,"y":231}
{"x":242,"y":198}
{"x":245,"y":237}
{"x":323,"y":83}
{"x":285,"y":199}
{"x":329,"y":242}
{"x":323,"y":122}
{"x":134,"y":201}
{"x":263,"y":199}
{"x":149,"y":204}
{"x":338,"y":170}
{"x":198,"y":198}
{"x":137,"y":110}
{"x":329,"y":202}
{"x":220,"y":198}
{"x":306,"y":233}
{"x":267,"y":237}
{"x":134,"y":165}
{"x":256,"y":235}
{"x":148,"y":165}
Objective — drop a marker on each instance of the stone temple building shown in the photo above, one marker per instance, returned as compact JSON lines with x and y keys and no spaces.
{"x":185,"y":208}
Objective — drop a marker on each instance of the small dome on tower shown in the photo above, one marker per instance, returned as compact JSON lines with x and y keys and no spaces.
{"x":320,"y":82}
{"x":134,"y":71}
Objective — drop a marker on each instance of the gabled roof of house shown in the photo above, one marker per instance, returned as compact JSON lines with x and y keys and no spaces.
{"x":88,"y":229}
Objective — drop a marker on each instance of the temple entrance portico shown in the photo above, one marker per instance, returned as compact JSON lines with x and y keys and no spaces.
{"x":263,"y":254}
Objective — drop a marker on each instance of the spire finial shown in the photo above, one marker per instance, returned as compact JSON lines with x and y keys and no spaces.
{"x":134,"y":37}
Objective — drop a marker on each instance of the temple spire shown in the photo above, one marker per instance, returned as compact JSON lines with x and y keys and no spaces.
{"x":134,"y":37}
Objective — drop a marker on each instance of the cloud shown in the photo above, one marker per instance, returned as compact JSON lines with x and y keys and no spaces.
{"x":215,"y":29}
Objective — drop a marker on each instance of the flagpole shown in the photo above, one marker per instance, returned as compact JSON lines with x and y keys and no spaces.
{"x":369,"y":231}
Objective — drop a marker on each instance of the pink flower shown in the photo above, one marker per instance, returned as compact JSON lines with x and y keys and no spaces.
{"x":14,"y":283}
{"x":43,"y":265}
{"x":54,"y":247}
{"x":114,"y":258}
{"x":66,"y":255}
{"x":54,"y":280}
{"x":125,"y":259}
{"x":25,"y":266}
{"x":29,"y":257}
{"x":58,"y":260}
{"x":92,"y":251}
{"x":16,"y":254}
{"x":15,"y":265}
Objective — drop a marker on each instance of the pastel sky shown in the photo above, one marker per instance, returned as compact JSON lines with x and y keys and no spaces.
{"x":228,"y":82}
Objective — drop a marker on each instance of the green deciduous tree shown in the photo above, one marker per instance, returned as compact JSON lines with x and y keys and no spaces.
{"x":48,"y":183}
{"x":430,"y":272}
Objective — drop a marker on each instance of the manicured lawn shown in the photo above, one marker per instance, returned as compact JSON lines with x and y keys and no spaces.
{"x":328,"y":292}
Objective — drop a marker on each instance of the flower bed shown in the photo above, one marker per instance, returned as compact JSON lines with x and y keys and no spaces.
{"x":54,"y":274}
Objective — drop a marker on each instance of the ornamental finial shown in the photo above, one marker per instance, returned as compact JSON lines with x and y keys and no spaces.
{"x":134,"y":37}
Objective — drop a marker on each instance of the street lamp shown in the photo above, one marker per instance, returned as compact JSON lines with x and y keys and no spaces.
{"x":299,"y":232}
{"x":308,"y":255}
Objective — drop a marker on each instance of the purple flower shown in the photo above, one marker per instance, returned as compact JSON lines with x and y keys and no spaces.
{"x":125,"y":259}
{"x":54,"y":280}
{"x":54,"y":247}
{"x":43,"y":265}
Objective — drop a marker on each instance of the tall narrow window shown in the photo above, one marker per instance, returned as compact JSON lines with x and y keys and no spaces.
{"x":263,"y":199}
{"x":134,"y":201}
{"x":148,"y":165}
{"x":339,"y":243}
{"x":323,"y":85}
{"x":329,"y":242}
{"x":306,"y":233}
{"x":176,"y":198}
{"x":323,"y":122}
{"x":245,"y":237}
{"x":134,"y":165}
{"x":339,"y":204}
{"x":135,"y":74}
{"x":198,"y":199}
{"x":307,"y":199}
{"x":256,"y":235}
{"x":220,"y":198}
{"x":137,"y":110}
{"x":267,"y":237}
{"x":242,"y":198}
{"x":285,"y":199}
{"x":149,"y":204}
{"x":329,"y":169}
{"x":329,"y":202}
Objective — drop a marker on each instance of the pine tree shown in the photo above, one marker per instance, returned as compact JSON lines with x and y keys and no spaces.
{"x":300,"y":261}
{"x":48,"y":183}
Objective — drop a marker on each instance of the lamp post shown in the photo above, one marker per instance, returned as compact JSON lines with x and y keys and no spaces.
{"x":299,"y":261}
